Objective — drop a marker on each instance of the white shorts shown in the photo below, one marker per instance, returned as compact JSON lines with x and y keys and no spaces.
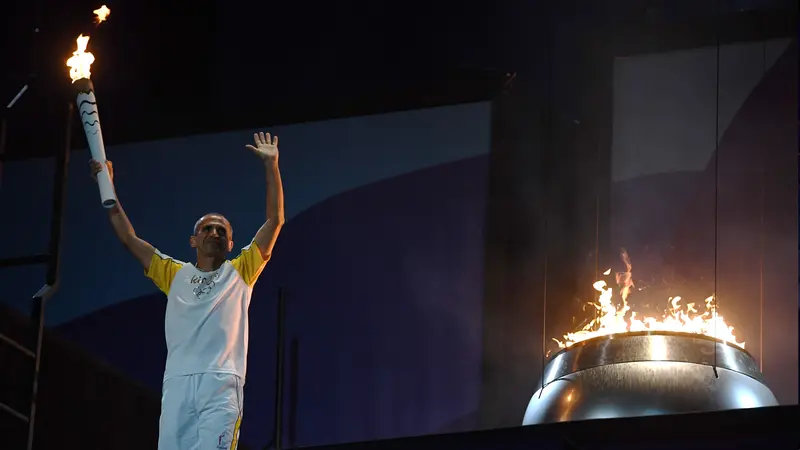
{"x":201,"y":412}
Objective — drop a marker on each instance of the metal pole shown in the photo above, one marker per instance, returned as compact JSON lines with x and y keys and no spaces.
{"x":4,"y":124}
{"x":52,"y":277}
{"x":294,"y":350}
{"x":278,"y":430}
{"x":2,"y":146}
{"x":59,"y":200}
{"x":24,"y":261}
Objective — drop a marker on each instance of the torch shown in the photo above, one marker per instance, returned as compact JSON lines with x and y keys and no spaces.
{"x":80,"y":64}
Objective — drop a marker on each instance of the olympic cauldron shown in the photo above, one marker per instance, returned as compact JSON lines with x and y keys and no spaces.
{"x":646,"y":373}
{"x":688,"y":360}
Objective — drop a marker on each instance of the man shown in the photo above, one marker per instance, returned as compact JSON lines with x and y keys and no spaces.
{"x":206,"y":323}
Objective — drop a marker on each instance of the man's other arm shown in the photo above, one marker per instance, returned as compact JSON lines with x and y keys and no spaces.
{"x":266,"y":147}
{"x":254,"y":257}
{"x":268,"y":233}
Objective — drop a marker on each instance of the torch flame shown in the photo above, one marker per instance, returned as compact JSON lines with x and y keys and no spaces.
{"x":678,"y":318}
{"x":81,"y":61}
{"x":101,"y":14}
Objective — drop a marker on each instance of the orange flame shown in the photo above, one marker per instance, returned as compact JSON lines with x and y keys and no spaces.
{"x":81,"y":61}
{"x":678,"y":318}
{"x":101,"y":14}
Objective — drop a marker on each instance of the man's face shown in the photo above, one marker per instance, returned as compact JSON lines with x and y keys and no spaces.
{"x":213,"y":236}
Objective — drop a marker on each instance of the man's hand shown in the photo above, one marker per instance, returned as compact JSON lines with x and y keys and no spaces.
{"x":266,"y":147}
{"x":97,"y":167}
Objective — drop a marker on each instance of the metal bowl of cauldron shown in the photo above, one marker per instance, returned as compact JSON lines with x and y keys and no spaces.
{"x":646,"y":373}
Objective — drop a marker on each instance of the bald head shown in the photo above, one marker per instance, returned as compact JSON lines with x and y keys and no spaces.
{"x":211,"y":219}
{"x":212,"y":236}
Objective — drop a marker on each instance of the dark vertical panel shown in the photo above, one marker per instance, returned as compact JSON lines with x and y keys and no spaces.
{"x":513,"y":254}
{"x":578,"y":167}
{"x":573,"y":144}
{"x":548,"y":207}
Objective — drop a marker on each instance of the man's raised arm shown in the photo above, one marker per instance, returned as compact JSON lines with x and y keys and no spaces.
{"x":266,"y":148}
{"x":140,"y":249}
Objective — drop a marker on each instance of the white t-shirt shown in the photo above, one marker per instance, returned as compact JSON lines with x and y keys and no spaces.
{"x":206,"y":324}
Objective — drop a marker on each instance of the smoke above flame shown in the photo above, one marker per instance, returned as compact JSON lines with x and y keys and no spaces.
{"x":80,"y":63}
{"x":679,"y":316}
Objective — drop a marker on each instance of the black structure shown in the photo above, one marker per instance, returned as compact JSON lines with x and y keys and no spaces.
{"x":50,"y":287}
{"x":81,"y":401}
{"x":744,"y":429}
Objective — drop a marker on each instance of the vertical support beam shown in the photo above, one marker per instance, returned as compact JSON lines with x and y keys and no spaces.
{"x":513,"y":254}
{"x":294,"y":361}
{"x":2,"y":147}
{"x":59,"y":202}
{"x":52,"y":277}
{"x":547,"y":208}
{"x":278,"y":430}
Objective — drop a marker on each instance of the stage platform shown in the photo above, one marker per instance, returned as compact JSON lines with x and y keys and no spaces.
{"x":773,"y":428}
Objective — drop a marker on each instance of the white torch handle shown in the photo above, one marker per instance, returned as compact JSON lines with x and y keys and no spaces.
{"x":90,"y":119}
{"x":107,"y":194}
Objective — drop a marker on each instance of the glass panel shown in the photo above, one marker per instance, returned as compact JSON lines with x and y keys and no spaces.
{"x":664,"y":267}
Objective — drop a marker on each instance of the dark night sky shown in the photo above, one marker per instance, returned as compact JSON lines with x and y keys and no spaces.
{"x":182,"y":67}
{"x":186,"y":62}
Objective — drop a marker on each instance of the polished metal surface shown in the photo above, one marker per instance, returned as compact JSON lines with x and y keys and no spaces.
{"x":637,"y":374}
{"x":650,"y":346}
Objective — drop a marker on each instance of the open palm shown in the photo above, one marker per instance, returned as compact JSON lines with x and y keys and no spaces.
{"x":266,"y":147}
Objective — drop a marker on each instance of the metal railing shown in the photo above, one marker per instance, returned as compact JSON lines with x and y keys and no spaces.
{"x":33,"y":349}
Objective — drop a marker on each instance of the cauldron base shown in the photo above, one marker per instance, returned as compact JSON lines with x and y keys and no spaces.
{"x":646,"y":374}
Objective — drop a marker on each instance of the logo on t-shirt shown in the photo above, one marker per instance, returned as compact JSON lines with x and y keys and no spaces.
{"x":205,"y":284}
{"x":224,"y":441}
